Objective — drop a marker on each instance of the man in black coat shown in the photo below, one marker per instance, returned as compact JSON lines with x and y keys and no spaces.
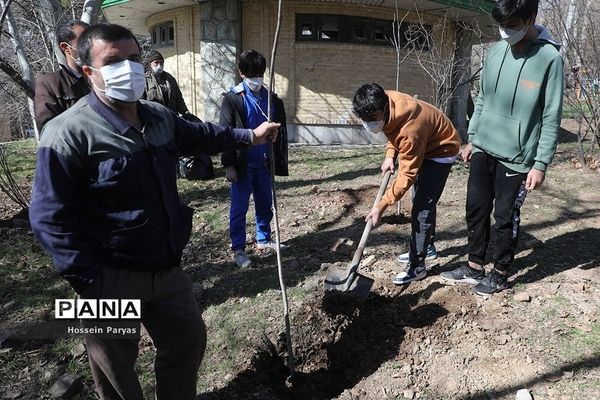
{"x":57,"y":91}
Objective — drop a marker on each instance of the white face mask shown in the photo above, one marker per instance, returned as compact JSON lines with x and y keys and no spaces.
{"x":374,"y":126}
{"x":158,"y":69}
{"x":123,"y":81}
{"x":512,"y":36}
{"x":254,"y":83}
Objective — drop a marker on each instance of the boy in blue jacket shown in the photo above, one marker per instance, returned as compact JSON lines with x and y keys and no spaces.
{"x":245,"y":106}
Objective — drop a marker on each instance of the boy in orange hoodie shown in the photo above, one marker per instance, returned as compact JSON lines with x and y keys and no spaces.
{"x":427,"y":144}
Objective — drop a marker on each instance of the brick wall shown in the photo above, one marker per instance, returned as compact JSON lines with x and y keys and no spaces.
{"x":317,"y":80}
{"x":182,"y":59}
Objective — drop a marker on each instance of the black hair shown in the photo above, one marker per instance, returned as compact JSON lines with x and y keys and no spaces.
{"x":507,"y":9}
{"x":368,"y":99}
{"x":252,"y":63}
{"x":106,"y":32}
{"x":65,"y":32}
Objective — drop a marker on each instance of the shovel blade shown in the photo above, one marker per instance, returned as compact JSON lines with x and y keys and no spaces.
{"x":338,"y":279}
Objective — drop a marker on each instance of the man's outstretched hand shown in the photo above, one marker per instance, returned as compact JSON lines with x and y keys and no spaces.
{"x":265,"y":132}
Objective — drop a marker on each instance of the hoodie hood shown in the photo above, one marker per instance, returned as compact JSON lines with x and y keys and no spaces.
{"x":546,"y":36}
{"x":542,"y":38}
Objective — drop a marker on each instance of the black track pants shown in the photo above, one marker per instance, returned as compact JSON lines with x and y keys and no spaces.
{"x":491,"y":182}
{"x":429,"y":186}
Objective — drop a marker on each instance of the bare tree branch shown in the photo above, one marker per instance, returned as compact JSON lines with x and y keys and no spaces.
{"x":8,"y":184}
{"x":5,"y":11}
{"x":16,"y":77}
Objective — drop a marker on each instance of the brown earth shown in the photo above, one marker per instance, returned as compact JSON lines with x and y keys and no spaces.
{"x":426,"y":340}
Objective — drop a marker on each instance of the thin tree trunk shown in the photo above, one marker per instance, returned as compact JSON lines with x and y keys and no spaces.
{"x":91,"y":9}
{"x":5,"y":11}
{"x":569,"y":26}
{"x":286,"y":310}
{"x":47,"y":11}
{"x":26,"y":72}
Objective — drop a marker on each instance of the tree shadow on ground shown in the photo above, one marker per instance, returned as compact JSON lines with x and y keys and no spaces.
{"x":561,"y":253}
{"x":308,"y":251}
{"x":325,"y":368}
{"x":215,"y":193}
{"x":582,"y":365}
{"x":302,"y":260}
{"x":566,"y":136}
{"x":558,"y":254}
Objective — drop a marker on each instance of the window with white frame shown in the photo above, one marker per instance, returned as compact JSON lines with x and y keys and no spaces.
{"x":163,"y":35}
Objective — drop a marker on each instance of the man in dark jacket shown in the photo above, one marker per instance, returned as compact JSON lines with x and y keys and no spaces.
{"x":59,"y":90}
{"x":161,"y":86}
{"x":105,"y":207}
{"x":245,"y":106}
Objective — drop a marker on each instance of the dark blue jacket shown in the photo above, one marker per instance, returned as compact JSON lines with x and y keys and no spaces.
{"x":233,"y":114}
{"x":105,"y":193}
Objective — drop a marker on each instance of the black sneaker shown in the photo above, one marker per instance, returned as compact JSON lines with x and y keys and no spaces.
{"x":464,"y":274}
{"x":492,"y":283}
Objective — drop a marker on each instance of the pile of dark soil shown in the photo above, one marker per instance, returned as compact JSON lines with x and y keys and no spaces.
{"x":337,"y":342}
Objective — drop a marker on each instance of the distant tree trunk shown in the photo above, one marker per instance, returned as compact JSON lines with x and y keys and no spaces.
{"x":91,"y":9}
{"x":26,"y":72}
{"x":5,"y":9}
{"x":568,"y":26}
{"x":578,"y":24}
{"x":47,"y":11}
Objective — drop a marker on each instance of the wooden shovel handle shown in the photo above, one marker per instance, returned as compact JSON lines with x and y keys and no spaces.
{"x":363,"y":240}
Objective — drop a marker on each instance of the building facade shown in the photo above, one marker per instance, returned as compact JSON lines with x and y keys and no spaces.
{"x":327,"y":49}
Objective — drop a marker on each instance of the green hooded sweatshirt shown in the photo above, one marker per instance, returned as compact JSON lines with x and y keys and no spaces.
{"x":518,"y":111}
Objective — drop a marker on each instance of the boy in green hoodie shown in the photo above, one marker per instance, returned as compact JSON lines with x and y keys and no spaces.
{"x":512,"y":138}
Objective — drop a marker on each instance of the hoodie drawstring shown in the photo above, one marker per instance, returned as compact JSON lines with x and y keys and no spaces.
{"x":514,"y":96}
{"x":500,"y":69}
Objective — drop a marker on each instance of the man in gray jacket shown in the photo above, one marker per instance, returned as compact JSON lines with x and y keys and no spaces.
{"x":105,"y":206}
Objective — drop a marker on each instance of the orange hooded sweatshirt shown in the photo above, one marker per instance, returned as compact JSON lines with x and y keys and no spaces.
{"x":416,"y":131}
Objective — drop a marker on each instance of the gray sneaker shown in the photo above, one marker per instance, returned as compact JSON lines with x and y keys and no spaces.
{"x":464,"y":274}
{"x":241,"y":259}
{"x":494,"y":282}
{"x":431,"y":255}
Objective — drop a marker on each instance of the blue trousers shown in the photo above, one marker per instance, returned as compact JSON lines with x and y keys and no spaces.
{"x":258,"y":183}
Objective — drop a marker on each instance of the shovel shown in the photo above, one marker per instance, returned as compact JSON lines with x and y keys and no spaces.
{"x":348,"y":279}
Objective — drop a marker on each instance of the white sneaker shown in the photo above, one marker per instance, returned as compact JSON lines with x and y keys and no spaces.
{"x":411,"y":274}
{"x":241,"y":259}
{"x":270,"y":245}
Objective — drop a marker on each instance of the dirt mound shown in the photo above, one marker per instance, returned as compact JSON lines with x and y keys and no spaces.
{"x":337,"y":341}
